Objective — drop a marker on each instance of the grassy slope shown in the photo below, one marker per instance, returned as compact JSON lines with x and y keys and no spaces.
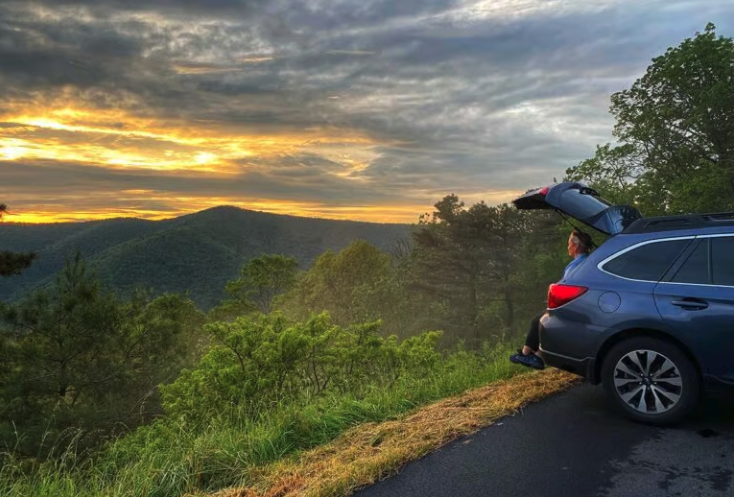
{"x":327,"y":447}
{"x":372,"y":451}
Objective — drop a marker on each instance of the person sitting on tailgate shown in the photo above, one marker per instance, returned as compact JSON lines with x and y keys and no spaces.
{"x":579,"y":247}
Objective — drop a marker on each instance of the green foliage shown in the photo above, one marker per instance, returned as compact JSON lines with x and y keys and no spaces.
{"x":13,"y":263}
{"x":79,"y":361}
{"x":613,"y":171}
{"x":270,"y":360}
{"x":352,"y":286}
{"x":197,"y":253}
{"x":261,"y":282}
{"x":468,"y":262}
{"x":676,"y":129}
{"x":464,"y":271}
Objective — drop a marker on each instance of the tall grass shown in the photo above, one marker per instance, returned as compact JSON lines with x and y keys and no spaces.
{"x":171,"y":457}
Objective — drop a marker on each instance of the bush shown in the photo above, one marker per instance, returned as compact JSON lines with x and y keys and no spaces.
{"x":261,"y":363}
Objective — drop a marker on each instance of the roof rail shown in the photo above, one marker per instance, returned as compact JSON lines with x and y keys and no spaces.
{"x":680,"y":222}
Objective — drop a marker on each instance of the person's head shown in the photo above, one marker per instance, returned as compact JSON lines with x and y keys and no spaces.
{"x":579,"y":243}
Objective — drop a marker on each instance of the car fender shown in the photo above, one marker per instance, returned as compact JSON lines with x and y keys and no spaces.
{"x":640,"y":327}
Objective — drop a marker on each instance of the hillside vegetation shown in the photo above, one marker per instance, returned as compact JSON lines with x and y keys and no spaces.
{"x":269,"y":391}
{"x":197,"y":253}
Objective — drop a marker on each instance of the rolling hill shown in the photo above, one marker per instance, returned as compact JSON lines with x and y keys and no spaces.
{"x":197,"y":252}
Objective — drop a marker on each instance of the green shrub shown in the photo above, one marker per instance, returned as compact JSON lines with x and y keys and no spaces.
{"x":261,"y":363}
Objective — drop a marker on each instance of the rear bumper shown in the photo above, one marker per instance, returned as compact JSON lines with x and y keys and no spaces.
{"x":582,"y":367}
{"x":586,"y":369}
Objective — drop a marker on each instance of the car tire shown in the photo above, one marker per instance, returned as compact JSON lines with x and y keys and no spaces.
{"x":651,"y":381}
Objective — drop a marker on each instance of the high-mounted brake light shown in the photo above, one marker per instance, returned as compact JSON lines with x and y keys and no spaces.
{"x":559,"y":294}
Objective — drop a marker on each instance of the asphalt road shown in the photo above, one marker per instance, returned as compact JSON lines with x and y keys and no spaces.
{"x":574,"y":445}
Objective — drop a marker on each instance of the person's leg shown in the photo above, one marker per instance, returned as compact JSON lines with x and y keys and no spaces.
{"x":527,"y":356}
{"x":532,"y":340}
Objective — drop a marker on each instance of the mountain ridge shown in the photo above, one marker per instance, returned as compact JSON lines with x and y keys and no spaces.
{"x":197,"y":252}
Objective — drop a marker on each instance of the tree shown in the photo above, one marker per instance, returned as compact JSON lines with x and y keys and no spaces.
{"x":261,"y":281}
{"x":466,"y":260}
{"x":675,"y":126}
{"x":450,"y":256}
{"x":506,"y":228}
{"x":81,"y":359}
{"x":613,"y":172}
{"x":12,"y":263}
{"x":353,"y":286}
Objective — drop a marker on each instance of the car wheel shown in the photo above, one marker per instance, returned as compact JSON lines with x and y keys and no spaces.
{"x":651,"y":380}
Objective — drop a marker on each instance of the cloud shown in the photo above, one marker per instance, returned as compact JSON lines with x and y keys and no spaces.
{"x":338,"y":103}
{"x":63,"y":191}
{"x":169,"y":7}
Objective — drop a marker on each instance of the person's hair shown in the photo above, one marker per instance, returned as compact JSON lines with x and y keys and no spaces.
{"x":582,"y":240}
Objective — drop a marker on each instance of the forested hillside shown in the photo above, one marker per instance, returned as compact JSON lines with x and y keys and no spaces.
{"x":197,"y":253}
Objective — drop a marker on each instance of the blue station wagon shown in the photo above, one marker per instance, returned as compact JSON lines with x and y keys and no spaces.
{"x":650,"y":313}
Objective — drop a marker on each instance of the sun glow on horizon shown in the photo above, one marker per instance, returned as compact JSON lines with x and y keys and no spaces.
{"x":404,"y":213}
{"x":391,"y":214}
{"x":86,"y":139}
{"x":113,"y":138}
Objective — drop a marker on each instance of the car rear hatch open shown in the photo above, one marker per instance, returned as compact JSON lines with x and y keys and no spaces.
{"x":581,"y":203}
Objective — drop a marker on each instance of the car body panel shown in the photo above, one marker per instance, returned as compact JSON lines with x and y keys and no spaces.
{"x":701,"y":313}
{"x":577,"y":331}
{"x":708,"y":331}
{"x":582,"y":203}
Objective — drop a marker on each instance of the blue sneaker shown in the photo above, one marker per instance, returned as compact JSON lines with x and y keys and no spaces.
{"x":531,"y":361}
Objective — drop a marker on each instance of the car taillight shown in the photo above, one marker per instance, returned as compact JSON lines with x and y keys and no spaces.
{"x":559,"y":294}
{"x":544,"y":191}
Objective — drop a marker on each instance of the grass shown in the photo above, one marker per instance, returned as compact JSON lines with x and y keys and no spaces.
{"x":366,"y":453}
{"x":327,"y":446}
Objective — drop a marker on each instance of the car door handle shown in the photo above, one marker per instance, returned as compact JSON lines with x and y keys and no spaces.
{"x":691,"y":304}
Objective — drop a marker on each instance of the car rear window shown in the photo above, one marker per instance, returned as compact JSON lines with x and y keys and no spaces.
{"x":722,"y":259}
{"x":583,"y":203}
{"x":647,"y":262}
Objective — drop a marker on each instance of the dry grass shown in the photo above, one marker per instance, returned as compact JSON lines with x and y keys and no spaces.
{"x":372,"y":451}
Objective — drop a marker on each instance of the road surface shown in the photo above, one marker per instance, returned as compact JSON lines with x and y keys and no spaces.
{"x":574,"y":445}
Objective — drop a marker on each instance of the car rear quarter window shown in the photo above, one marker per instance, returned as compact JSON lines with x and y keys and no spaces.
{"x":696,"y":268}
{"x":722,"y":259}
{"x":648,"y":262}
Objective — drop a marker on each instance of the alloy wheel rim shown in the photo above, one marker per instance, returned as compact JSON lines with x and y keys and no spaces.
{"x":648,"y":382}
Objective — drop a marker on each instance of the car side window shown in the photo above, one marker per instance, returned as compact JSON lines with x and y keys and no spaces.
{"x":722,"y":259}
{"x":696,"y":268}
{"x":647,"y":262}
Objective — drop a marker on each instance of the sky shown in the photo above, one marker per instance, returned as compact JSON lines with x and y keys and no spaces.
{"x":369,"y":110}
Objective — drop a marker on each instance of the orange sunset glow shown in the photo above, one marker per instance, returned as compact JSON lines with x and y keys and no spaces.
{"x":119,"y":140}
{"x":114,"y":140}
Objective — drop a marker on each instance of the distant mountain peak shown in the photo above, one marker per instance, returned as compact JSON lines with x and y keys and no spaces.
{"x":197,"y":252}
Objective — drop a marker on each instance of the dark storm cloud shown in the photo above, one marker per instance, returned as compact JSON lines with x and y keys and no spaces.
{"x":291,"y":180}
